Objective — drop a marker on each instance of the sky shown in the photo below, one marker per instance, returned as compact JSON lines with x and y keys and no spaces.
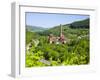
{"x":48,"y":20}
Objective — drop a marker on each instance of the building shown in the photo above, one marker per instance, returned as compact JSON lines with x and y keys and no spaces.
{"x":59,"y":39}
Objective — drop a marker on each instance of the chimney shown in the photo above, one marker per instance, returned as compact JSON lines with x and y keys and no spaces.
{"x":60,"y":30}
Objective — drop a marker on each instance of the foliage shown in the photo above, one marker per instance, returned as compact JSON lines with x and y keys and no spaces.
{"x":80,"y":24}
{"x":75,"y":52}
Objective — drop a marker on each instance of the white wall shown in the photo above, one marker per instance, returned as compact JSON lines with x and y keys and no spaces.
{"x":5,"y":40}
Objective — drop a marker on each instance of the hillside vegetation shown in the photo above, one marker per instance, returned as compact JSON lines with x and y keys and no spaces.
{"x":80,"y":24}
{"x":39,"y":52}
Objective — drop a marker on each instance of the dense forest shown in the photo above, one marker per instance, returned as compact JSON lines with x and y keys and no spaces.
{"x":73,"y":51}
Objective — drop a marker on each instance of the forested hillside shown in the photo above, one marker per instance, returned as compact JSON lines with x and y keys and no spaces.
{"x":80,"y":24}
{"x":39,"y":51}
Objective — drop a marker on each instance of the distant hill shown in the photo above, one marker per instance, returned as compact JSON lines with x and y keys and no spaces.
{"x":71,"y":31}
{"x":35,"y":28}
{"x":80,"y":24}
{"x":68,"y":29}
{"x":56,"y":30}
